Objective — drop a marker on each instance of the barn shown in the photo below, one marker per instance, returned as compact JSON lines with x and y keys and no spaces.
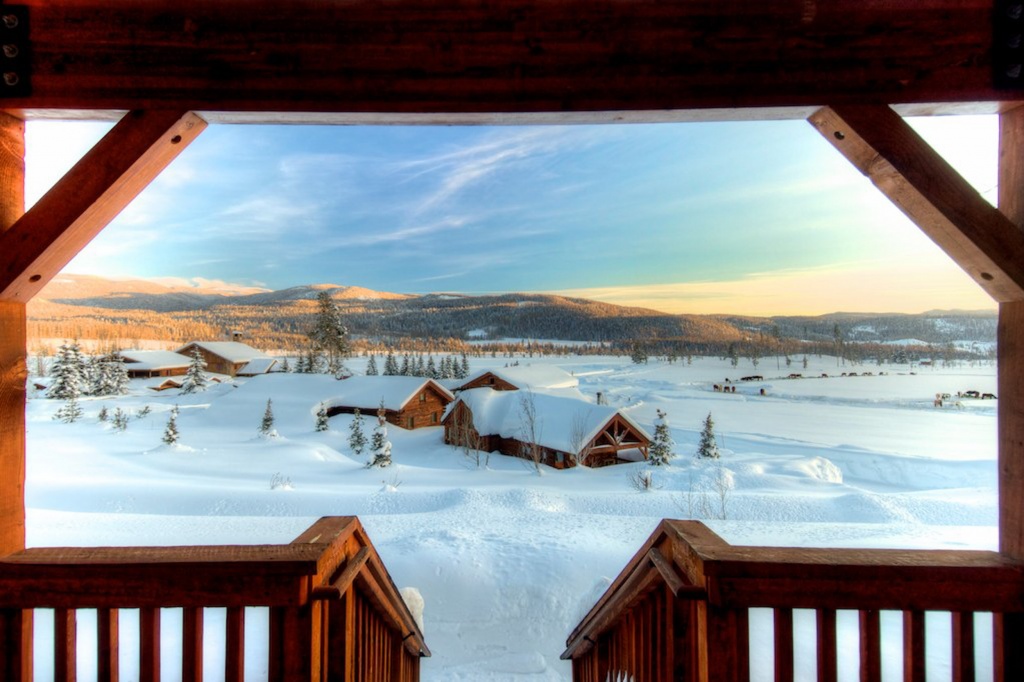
{"x":232,"y":358}
{"x":409,"y":402}
{"x":557,"y":430}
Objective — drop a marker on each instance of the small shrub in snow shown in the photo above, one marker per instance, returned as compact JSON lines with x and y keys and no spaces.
{"x":321,"y":418}
{"x":279,"y":482}
{"x":642,"y":480}
{"x":661,"y":448}
{"x":356,"y":437}
{"x":104,"y":414}
{"x":171,"y":434}
{"x":267,"y":424}
{"x":708,"y":446}
{"x":144,"y":412}
{"x":119,"y":420}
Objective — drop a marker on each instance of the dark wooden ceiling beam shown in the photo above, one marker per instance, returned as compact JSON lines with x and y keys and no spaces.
{"x":89,"y":196}
{"x":512,"y":56}
{"x":976,"y":235}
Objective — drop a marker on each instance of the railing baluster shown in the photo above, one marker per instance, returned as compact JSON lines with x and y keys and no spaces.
{"x":783,"y":645}
{"x":107,"y":645}
{"x":1007,"y":635}
{"x":234,"y":660}
{"x":913,"y":646}
{"x":65,"y":645}
{"x":963,"y":646}
{"x":16,"y":645}
{"x":870,"y":646}
{"x":192,"y":644}
{"x":827,"y":651}
{"x":149,"y":644}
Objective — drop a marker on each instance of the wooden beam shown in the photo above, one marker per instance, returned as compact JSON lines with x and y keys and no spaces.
{"x":980,"y":239}
{"x":89,"y":196}
{"x":470,"y":56}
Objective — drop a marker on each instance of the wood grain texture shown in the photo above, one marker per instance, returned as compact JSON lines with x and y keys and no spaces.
{"x":149,"y":644}
{"x":1010,"y":424}
{"x":192,"y":644}
{"x":504,"y":55}
{"x":962,"y":629}
{"x":107,"y":645}
{"x":13,"y":374}
{"x":783,"y":645}
{"x":979,"y":238}
{"x":870,"y":646}
{"x":89,"y":196}
{"x":65,"y":645}
{"x":826,"y":649}
{"x":12,"y":169}
{"x":913,"y":646}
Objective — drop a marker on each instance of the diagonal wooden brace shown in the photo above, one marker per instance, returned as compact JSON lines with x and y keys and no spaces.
{"x":89,"y":196}
{"x":975,"y":234}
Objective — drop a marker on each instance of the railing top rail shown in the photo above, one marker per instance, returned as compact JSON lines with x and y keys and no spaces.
{"x":743,"y":577}
{"x":209,"y":576}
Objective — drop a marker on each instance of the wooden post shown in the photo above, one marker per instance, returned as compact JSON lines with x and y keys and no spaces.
{"x":15,"y":625}
{"x":1009,"y":661}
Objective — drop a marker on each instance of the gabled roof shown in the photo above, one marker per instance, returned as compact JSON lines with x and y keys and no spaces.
{"x":564,"y":424}
{"x":232,"y":351}
{"x":366,"y":393}
{"x":258,"y":366}
{"x":154,"y":359}
{"x":534,"y":377}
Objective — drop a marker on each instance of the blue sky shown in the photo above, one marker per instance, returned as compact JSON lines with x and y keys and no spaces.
{"x":757,"y":218}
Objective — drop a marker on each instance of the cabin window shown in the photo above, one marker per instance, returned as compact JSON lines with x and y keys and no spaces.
{"x":490,"y":380}
{"x":433,"y":417}
{"x":412,"y":421}
{"x":423,"y":397}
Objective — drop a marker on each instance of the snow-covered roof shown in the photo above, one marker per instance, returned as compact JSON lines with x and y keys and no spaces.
{"x":232,"y":351}
{"x":562,"y":423}
{"x":367,"y":392}
{"x":258,"y":366}
{"x":154,"y":359}
{"x":535,"y":377}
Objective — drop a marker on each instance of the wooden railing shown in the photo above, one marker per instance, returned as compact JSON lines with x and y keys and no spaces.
{"x":334,"y":613}
{"x":680,"y":610}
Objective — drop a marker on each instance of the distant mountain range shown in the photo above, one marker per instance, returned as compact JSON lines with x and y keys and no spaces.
{"x":77,"y":306}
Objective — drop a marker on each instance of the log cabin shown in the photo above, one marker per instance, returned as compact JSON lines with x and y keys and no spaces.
{"x":231,"y":358}
{"x":409,"y":402}
{"x":851,"y":68}
{"x":558,"y":431}
{"x":144,"y":364}
{"x":516,"y":377}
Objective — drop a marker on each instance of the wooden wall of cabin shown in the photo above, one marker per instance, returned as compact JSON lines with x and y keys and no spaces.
{"x":489,"y":380}
{"x":424,"y":409}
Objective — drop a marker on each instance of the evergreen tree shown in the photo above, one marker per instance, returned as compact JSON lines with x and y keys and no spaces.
{"x":171,"y":434}
{"x":421,"y":370}
{"x":380,"y":446}
{"x":708,"y":446}
{"x":390,"y":365}
{"x":267,"y":425}
{"x":638,"y":354}
{"x":431,"y":370}
{"x":110,"y":376}
{"x":371,"y":366}
{"x":119,"y":420}
{"x":285,"y":366}
{"x":70,"y":411}
{"x":329,"y":334}
{"x":464,"y":368}
{"x":321,"y":418}
{"x":195,"y":380}
{"x":356,"y":438}
{"x":104,"y":414}
{"x":300,"y":364}
{"x":90,"y":372}
{"x":661,"y":451}
{"x":404,"y":371}
{"x":66,"y":371}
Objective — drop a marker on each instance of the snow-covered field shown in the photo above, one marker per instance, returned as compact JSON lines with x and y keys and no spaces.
{"x":508,"y":560}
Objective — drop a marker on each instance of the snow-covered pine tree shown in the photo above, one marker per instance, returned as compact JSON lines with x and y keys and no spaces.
{"x":195,"y":380}
{"x":66,"y":372}
{"x":329,"y":334}
{"x":285,"y":365}
{"x":70,"y":411}
{"x":110,"y":376}
{"x":356,"y":437}
{"x":321,"y":418}
{"x":371,"y":366}
{"x":661,"y":451}
{"x":390,"y":365}
{"x":104,"y":414}
{"x":708,"y":446}
{"x":421,"y":368}
{"x":171,"y":434}
{"x":380,"y":446}
{"x":267,"y":424}
{"x":404,"y":370}
{"x":464,"y":368}
{"x":119,"y":420}
{"x":431,"y":371}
